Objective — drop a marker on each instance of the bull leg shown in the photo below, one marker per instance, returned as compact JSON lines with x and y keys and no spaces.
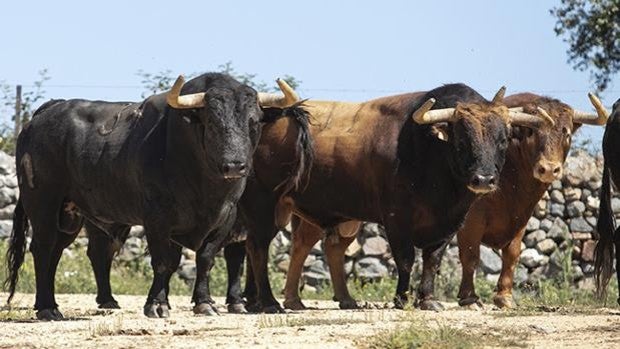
{"x":431,"y":257}
{"x":304,"y":237}
{"x":617,"y":243}
{"x":335,"y":247}
{"x":205,"y":259}
{"x":404,"y":256}
{"x":469,"y":255}
{"x":101,"y":251}
{"x":258,"y":248}
{"x":234,"y":253}
{"x":249,"y":292}
{"x":510,"y":258}
{"x":165,"y":258}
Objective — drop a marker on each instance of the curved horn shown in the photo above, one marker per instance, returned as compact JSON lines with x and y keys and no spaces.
{"x":424,"y":114}
{"x":287,"y":99}
{"x":600,"y":118}
{"x":518,"y":117}
{"x":195,"y":100}
{"x":499,"y":96}
{"x":548,"y":119}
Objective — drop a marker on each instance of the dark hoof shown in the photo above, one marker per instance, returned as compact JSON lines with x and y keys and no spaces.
{"x":430,"y":304}
{"x":294,"y":304}
{"x":349,"y":304}
{"x":503,"y":301}
{"x":476,"y":306}
{"x":273,"y":309}
{"x":155,"y":311}
{"x":253,"y":307}
{"x":469,"y":301}
{"x":400,"y":302}
{"x":109,"y":305}
{"x":237,"y":308}
{"x":50,"y":315}
{"x":205,"y":309}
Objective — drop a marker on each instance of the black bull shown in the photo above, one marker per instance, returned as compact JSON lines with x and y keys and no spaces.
{"x":176,"y":168}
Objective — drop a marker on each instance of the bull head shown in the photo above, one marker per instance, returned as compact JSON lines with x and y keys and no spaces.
{"x":424,"y":114}
{"x":196,"y":100}
{"x":600,"y":118}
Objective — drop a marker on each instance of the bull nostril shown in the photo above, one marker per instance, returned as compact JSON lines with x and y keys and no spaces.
{"x":492,"y":180}
{"x":476,"y":181}
{"x":541,"y":170}
{"x":557,"y":170}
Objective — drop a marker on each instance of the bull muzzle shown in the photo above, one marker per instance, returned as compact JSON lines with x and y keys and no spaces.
{"x":547,"y":171}
{"x":234,"y":170}
{"x":482,"y":184}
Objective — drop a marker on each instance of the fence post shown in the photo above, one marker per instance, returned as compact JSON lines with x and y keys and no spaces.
{"x":18,"y":109}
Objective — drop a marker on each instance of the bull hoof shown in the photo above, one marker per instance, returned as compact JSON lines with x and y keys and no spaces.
{"x":476,"y":306}
{"x":464,"y":302}
{"x":205,"y":309}
{"x":430,"y":304}
{"x":349,"y":304}
{"x":109,"y":305}
{"x":503,"y":301}
{"x":273,"y":309}
{"x":50,"y":315}
{"x":294,"y":304}
{"x":400,"y":302}
{"x":155,"y":311}
{"x":237,"y":308}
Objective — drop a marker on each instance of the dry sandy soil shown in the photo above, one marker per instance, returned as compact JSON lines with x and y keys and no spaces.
{"x":325,"y":327}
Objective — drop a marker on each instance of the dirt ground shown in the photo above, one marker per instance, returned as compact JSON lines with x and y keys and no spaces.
{"x":325,"y":327}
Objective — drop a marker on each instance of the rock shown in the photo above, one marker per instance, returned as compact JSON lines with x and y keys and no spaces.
{"x":592,"y":203}
{"x":7,"y":164}
{"x":137,"y":230}
{"x":580,"y":225}
{"x":534,"y":237}
{"x":587,"y":268}
{"x":354,"y":249}
{"x":556,"y":259}
{"x":189,"y":254}
{"x":585,"y":193}
{"x":576,"y":252}
{"x":546,"y":195}
{"x":520,"y":275}
{"x":490,"y":262}
{"x":317,"y":274}
{"x":546,"y":246}
{"x":5,"y":229}
{"x":581,"y":236}
{"x":557,"y":210}
{"x":10,"y":181}
{"x":572,"y":194}
{"x":371,"y":268}
{"x":581,"y":167}
{"x":491,"y":277}
{"x":546,"y":224}
{"x":587,"y":251}
{"x":283,"y":264}
{"x":558,"y":231}
{"x":615,"y":205}
{"x":309,"y":260}
{"x":577,"y":273}
{"x":375,"y":246}
{"x":317,"y":249}
{"x":348,"y":267}
{"x":531,"y":258}
{"x":371,"y":229}
{"x":557,"y":185}
{"x":7,"y":212}
{"x":592,"y":221}
{"x":594,"y":185}
{"x":540,"y":211}
{"x":532,"y":224}
{"x":187,"y":271}
{"x":6,"y":196}
{"x":557,"y":196}
{"x":575,"y":209}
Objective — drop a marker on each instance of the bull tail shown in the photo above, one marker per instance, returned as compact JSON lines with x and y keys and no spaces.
{"x":17,"y":248}
{"x":604,"y":251}
{"x":304,"y":151}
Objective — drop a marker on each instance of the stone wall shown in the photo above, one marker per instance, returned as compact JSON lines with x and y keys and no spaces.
{"x":563,"y":225}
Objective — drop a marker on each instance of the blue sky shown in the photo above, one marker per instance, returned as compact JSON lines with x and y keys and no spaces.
{"x":345,"y":50}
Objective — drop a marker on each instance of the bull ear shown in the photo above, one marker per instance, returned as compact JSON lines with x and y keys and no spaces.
{"x":440,"y":131}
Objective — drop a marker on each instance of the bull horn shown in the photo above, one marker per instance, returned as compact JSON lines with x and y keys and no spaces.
{"x":518,"y":117}
{"x":548,"y":119}
{"x":600,"y":118}
{"x":287,"y":99}
{"x":499,"y":96}
{"x":175,"y":100}
{"x":424,"y":114}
